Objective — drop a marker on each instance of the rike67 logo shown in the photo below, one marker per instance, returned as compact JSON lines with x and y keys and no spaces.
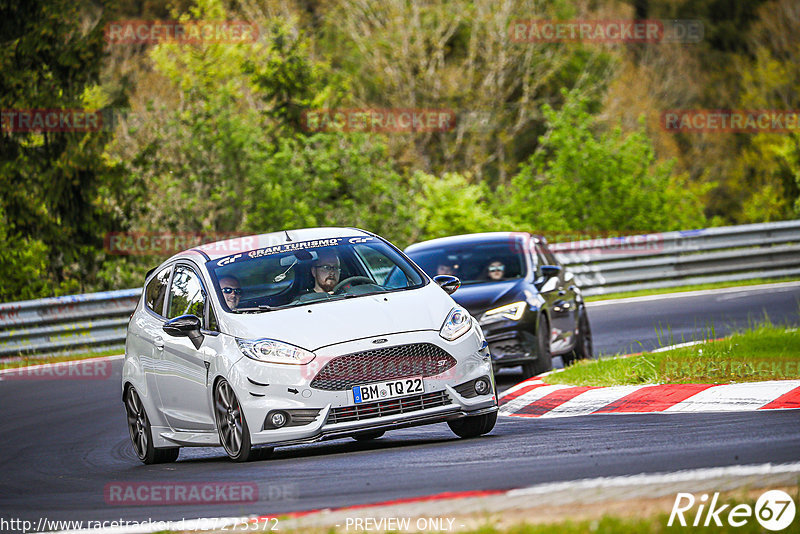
{"x":774,"y":510}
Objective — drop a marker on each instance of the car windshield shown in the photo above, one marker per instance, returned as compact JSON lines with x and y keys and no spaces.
{"x":474,"y":263}
{"x":306,"y":272}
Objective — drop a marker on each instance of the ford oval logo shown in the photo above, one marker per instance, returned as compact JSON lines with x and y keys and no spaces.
{"x":379,"y":341}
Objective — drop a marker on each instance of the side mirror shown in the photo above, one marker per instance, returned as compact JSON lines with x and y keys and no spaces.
{"x":549,"y":271}
{"x":185,"y":326}
{"x":447,"y":282}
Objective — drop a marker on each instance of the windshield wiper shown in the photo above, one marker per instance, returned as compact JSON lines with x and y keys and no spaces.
{"x":262,"y":308}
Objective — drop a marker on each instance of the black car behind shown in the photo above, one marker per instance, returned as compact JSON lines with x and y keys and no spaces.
{"x":527,"y":304}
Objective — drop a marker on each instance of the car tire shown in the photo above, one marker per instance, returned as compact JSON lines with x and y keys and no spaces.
{"x":368,"y":435}
{"x":234,"y":434}
{"x":544,"y":358}
{"x":141,"y":434}
{"x":583,"y":346}
{"x":473,"y":426}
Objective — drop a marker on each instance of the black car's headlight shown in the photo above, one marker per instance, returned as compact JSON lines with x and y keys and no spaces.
{"x":512,"y":311}
{"x":457,"y":324}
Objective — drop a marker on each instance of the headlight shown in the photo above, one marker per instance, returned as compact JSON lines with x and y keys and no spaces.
{"x":269,"y":350}
{"x":509,"y":311}
{"x":457,"y":324}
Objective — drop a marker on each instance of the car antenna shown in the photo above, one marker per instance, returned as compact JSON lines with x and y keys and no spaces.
{"x":287,"y":235}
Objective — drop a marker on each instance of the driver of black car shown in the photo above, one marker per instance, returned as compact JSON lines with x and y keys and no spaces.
{"x":326,"y":271}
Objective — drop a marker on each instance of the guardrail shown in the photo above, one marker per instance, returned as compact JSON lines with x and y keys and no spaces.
{"x":95,"y":321}
{"x":98,"y":321}
{"x":670,"y":259}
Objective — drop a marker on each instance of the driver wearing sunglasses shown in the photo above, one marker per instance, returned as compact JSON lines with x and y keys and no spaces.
{"x":496,"y":270}
{"x":231,"y":290}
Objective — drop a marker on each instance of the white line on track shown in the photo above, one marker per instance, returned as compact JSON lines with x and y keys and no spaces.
{"x":699,"y":293}
{"x":660,"y":478}
{"x":696,"y":476}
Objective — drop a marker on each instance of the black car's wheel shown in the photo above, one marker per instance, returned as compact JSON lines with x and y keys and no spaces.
{"x":544,"y":358}
{"x":368,"y":435}
{"x":583,"y":346}
{"x":141,"y":434}
{"x":473,"y":426}
{"x":233,"y":431}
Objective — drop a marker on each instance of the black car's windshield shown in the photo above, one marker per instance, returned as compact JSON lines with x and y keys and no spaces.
{"x":474,"y":263}
{"x":304,"y":272}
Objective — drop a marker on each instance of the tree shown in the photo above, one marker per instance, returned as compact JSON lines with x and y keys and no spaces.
{"x":451,"y":205}
{"x":50,"y":181}
{"x":584,"y":179}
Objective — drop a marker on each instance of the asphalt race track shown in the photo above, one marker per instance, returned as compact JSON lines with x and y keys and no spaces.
{"x":63,"y":441}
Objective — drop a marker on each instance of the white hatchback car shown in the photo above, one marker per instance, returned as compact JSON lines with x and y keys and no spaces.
{"x":295,"y":337}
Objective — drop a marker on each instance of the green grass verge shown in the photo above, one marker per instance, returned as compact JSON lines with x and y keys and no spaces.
{"x":765,"y":352}
{"x":28,"y":360}
{"x":683,"y":289}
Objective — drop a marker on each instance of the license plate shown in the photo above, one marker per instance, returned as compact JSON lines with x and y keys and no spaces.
{"x":388,"y":390}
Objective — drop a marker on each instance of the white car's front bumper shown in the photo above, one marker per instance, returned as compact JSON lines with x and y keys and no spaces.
{"x":263,"y":388}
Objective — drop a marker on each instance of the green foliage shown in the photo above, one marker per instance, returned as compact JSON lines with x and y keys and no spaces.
{"x":768,"y":166}
{"x":50,"y":183}
{"x":581,"y":178}
{"x":451,"y":205}
{"x":211,"y":137}
{"x":23,"y":265}
{"x":329,"y":180}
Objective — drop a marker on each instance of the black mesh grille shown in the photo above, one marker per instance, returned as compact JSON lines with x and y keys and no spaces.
{"x":403,"y":361}
{"x":507,"y":348}
{"x":385,"y":408}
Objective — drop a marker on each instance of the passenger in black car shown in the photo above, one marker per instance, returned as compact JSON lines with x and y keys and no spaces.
{"x":496,"y":270}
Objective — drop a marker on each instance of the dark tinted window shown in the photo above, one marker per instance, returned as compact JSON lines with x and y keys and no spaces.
{"x":545,"y":256}
{"x":472,"y":262}
{"x":186,"y":294}
{"x":156,"y":290}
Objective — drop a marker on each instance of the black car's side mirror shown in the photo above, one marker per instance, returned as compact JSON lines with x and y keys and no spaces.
{"x":547,"y":272}
{"x":447,"y":282}
{"x":185,"y":326}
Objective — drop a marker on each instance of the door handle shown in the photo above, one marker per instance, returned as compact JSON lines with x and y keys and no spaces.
{"x":159,"y":343}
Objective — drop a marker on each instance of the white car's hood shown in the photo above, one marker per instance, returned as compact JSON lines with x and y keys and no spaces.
{"x":321,"y":324}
